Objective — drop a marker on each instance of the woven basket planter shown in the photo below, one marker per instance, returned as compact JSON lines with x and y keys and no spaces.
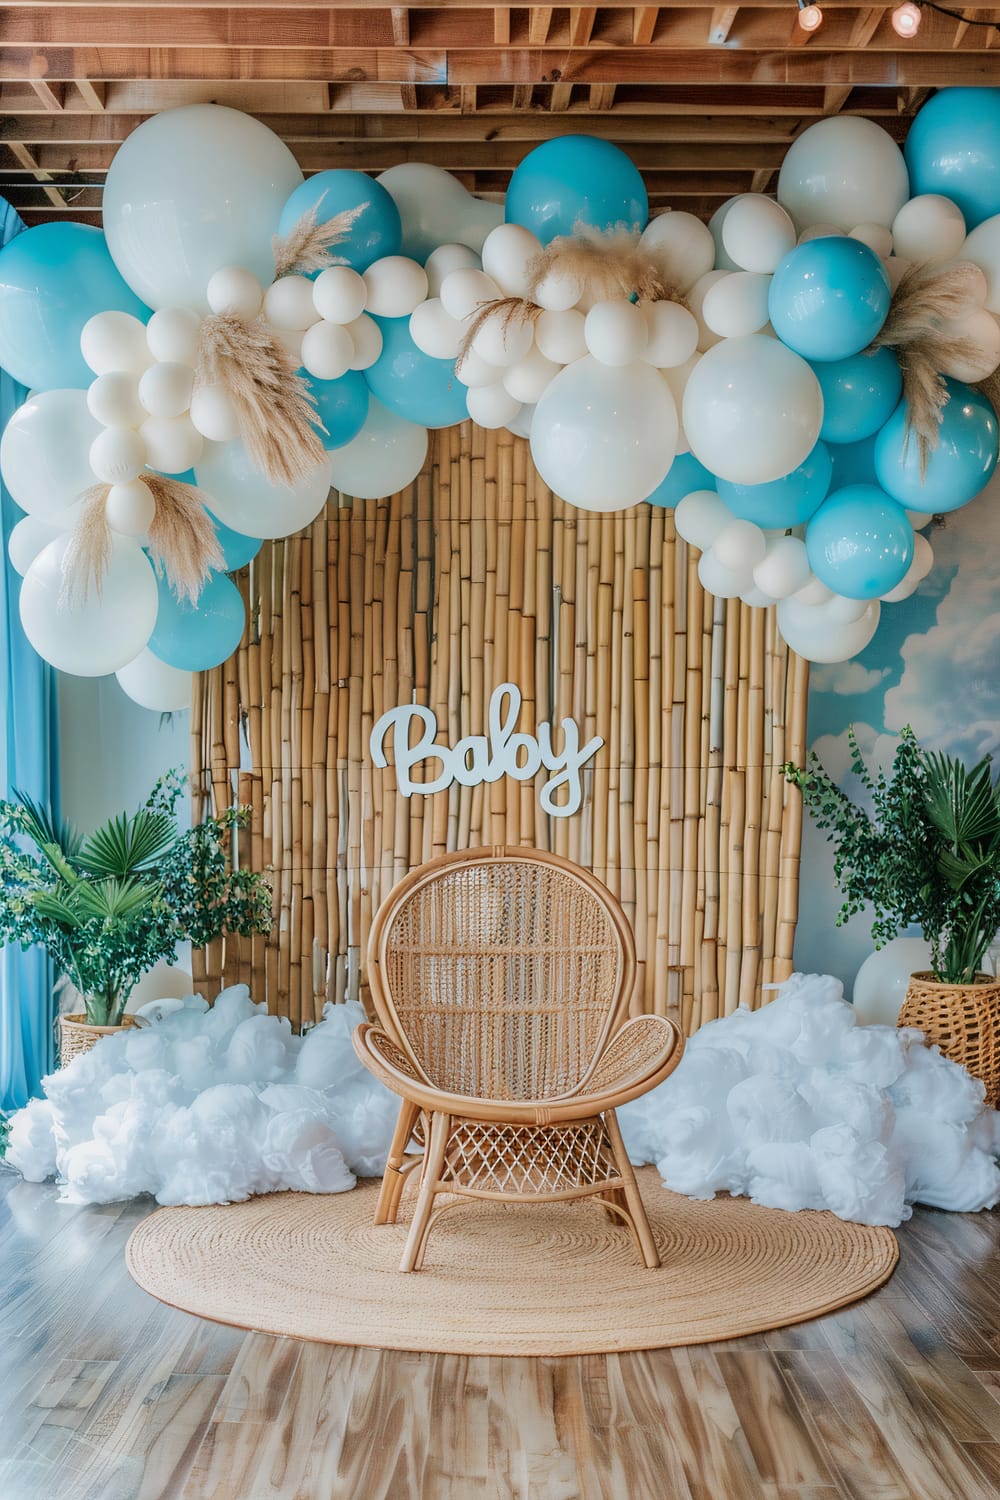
{"x":76,"y":1036}
{"x":963,"y":1020}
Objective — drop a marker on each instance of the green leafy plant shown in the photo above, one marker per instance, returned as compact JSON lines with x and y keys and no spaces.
{"x":928,"y":852}
{"x":108,"y":906}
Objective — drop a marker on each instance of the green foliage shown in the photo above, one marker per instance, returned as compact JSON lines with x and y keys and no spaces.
{"x":928,"y":853}
{"x":110,"y":906}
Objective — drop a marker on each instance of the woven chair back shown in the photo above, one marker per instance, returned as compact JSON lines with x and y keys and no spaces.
{"x":501,"y":971}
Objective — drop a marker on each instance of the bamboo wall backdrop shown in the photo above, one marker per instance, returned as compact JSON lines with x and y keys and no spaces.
{"x":475,"y":576}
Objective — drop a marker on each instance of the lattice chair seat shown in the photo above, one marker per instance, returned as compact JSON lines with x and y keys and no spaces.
{"x":501,"y":979}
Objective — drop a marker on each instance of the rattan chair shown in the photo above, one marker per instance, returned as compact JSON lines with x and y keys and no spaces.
{"x":502,"y":978}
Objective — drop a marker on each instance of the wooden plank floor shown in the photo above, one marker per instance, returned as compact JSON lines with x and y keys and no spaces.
{"x":107,"y":1395}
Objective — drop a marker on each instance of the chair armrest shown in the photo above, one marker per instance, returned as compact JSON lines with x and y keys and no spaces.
{"x":639,"y":1056}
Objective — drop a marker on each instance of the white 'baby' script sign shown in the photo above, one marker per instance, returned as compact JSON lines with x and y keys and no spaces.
{"x":478,"y":757}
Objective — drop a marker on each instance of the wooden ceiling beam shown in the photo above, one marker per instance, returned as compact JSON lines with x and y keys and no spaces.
{"x":93,"y":94}
{"x":720,"y":66}
{"x":721,"y":23}
{"x":386,"y":65}
{"x":539,"y":21}
{"x":644,"y":19}
{"x":581,"y":24}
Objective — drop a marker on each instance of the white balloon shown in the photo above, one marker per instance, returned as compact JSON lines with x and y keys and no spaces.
{"x":45,"y":452}
{"x":474,"y":371}
{"x":560,"y":335}
{"x":502,"y":341}
{"x":90,"y":636}
{"x":117,"y":455}
{"x":616,"y":332}
{"x":339,"y":294}
{"x":464,"y":292}
{"x":288,"y":303}
{"x":290,"y":340}
{"x":115,"y":341}
{"x":366,"y":336}
{"x":603,"y":439}
{"x":434,"y":207}
{"x":172,"y":335}
{"x":820,"y":232}
{"x":435,"y":331}
{"x":521,"y":425}
{"x":757,"y":233}
{"x":130,"y":508}
{"x":248,"y":502}
{"x":843,"y":170}
{"x":558,"y":290}
{"x":530,"y":377}
{"x":394,"y":286}
{"x":445,"y":259}
{"x":812,"y":633}
{"x":844,"y":610}
{"x":508,"y":252}
{"x":740,"y":546}
{"x":235,"y":290}
{"x":756,"y":598}
{"x":190,"y":191}
{"x":736,"y":304}
{"x":671,"y":334}
{"x":876,"y":236}
{"x":492,"y":406}
{"x":723,"y":260}
{"x":725,"y":583}
{"x":213,"y":414}
{"x":752,"y":410}
{"x":386,"y":456}
{"x":173,"y":444}
{"x":981,"y":332}
{"x":327,"y":350}
{"x":27,"y":538}
{"x":928,"y":228}
{"x":682,"y":244}
{"x":813,"y":592}
{"x":784,"y":568}
{"x":113,"y":400}
{"x":923,"y":561}
{"x":700,"y":517}
{"x":707,"y":339}
{"x":165,"y":390}
{"x":896,"y":269}
{"x":918,"y":519}
{"x":153,"y":684}
{"x":881,"y":982}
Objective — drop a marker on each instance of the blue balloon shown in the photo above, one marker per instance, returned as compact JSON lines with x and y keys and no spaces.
{"x":412,"y":384}
{"x":684,"y":476}
{"x":953,"y":148}
{"x":377,"y":230}
{"x":788,"y":501}
{"x":342,"y":406}
{"x":859,"y":394}
{"x":237,"y":549}
{"x":853,"y":463}
{"x":197,"y":637}
{"x":957,"y":469}
{"x":860,"y":542}
{"x":53,"y":279}
{"x":829,"y":298}
{"x":576,"y":178}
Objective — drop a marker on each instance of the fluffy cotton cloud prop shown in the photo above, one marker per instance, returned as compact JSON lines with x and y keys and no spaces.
{"x":796,"y":1106}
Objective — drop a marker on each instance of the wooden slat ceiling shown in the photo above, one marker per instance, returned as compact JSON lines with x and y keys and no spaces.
{"x":705,"y":98}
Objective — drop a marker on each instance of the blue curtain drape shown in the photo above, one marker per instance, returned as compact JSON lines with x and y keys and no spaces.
{"x":29,"y":762}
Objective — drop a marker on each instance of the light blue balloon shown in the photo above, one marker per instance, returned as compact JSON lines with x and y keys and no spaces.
{"x":859,"y":394}
{"x":829,"y":298}
{"x":197,"y":637}
{"x":341,"y":405}
{"x":853,"y":463}
{"x":576,"y":178}
{"x":412,"y":384}
{"x":53,"y":279}
{"x":860,"y":542}
{"x":684,"y":476}
{"x":953,"y":148}
{"x":237,"y":549}
{"x":957,"y":469}
{"x":788,"y":501}
{"x":376,"y":231}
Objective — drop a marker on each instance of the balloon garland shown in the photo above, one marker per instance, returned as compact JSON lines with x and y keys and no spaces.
{"x":806,"y":380}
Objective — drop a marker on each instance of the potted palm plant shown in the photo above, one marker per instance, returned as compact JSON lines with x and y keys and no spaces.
{"x":110,"y":905}
{"x":926,"y":854}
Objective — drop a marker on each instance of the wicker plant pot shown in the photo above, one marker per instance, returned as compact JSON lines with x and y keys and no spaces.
{"x":963,"y":1020}
{"x":77,"y":1036}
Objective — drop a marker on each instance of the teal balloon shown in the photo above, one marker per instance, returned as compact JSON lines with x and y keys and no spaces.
{"x":576,"y":179}
{"x":957,"y":469}
{"x":860,"y":394}
{"x":860,"y":542}
{"x":53,"y":279}
{"x":341,"y":405}
{"x":853,"y":463}
{"x":953,"y":148}
{"x":237,"y":549}
{"x":197,"y":637}
{"x":423,"y":390}
{"x":684,"y":476}
{"x":788,"y":501}
{"x":829,"y":298}
{"x":377,"y":230}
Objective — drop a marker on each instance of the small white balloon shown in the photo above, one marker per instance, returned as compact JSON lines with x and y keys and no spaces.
{"x":923,"y":561}
{"x":560,"y":335}
{"x":929,"y":228}
{"x":173,"y":444}
{"x":881,"y":983}
{"x":327,"y":350}
{"x":394,"y":286}
{"x":707,"y":339}
{"x":288,"y":303}
{"x":844,"y":610}
{"x":740,"y":546}
{"x":736,"y":304}
{"x":616,"y":332}
{"x":784,"y":567}
{"x":671,"y":334}
{"x":699,"y":518}
{"x":757,"y":233}
{"x":237,"y":291}
{"x":896,"y":269}
{"x":492,"y":406}
{"x":113,"y":399}
{"x":213,"y":414}
{"x":445,"y":259}
{"x":980,"y":334}
{"x":558,"y":291}
{"x":117,"y":455}
{"x":682,"y":244}
{"x":290,"y":340}
{"x":918,"y":519}
{"x":93,"y":635}
{"x":114,"y":341}
{"x":876,"y":236}
{"x":28,"y":537}
{"x":502,"y":341}
{"x":153,"y":684}
{"x":508,"y":252}
{"x":813,"y":592}
{"x":756,"y":598}
{"x":339,"y":294}
{"x":820,"y":232}
{"x":165,"y":389}
{"x":521,"y":425}
{"x":475,"y":372}
{"x":435,"y":331}
{"x":366,"y":336}
{"x":528,"y":380}
{"x":172,"y":335}
{"x":465,"y":291}
{"x":723,"y":582}
{"x":813,"y":633}
{"x":130,"y":508}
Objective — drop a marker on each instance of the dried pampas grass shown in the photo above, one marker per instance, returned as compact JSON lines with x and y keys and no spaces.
{"x":308,"y":246}
{"x":88,"y":556}
{"x":509,"y":310}
{"x":275,"y":411}
{"x":609,"y":263}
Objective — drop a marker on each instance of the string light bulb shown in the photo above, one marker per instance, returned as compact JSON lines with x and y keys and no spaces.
{"x":906,"y":19}
{"x":810,"y":16}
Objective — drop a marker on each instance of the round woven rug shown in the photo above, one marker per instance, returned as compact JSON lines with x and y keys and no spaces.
{"x":506,"y":1279}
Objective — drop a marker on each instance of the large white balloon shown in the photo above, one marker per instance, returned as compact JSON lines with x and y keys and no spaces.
{"x":45,"y":452}
{"x":246,"y":501}
{"x":814,"y":633}
{"x":191,"y":191}
{"x":604,"y":438}
{"x":880,"y":983}
{"x":153,"y":684}
{"x":846,"y":171}
{"x":752,"y":410}
{"x":387,"y":455}
{"x":434,"y":207}
{"x":96,"y":635}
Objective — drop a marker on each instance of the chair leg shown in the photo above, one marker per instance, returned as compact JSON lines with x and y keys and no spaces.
{"x":393,"y":1180}
{"x":633,"y":1198}
{"x":437,"y":1142}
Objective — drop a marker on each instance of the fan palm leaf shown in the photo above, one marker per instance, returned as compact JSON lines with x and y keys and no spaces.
{"x":126,"y":845}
